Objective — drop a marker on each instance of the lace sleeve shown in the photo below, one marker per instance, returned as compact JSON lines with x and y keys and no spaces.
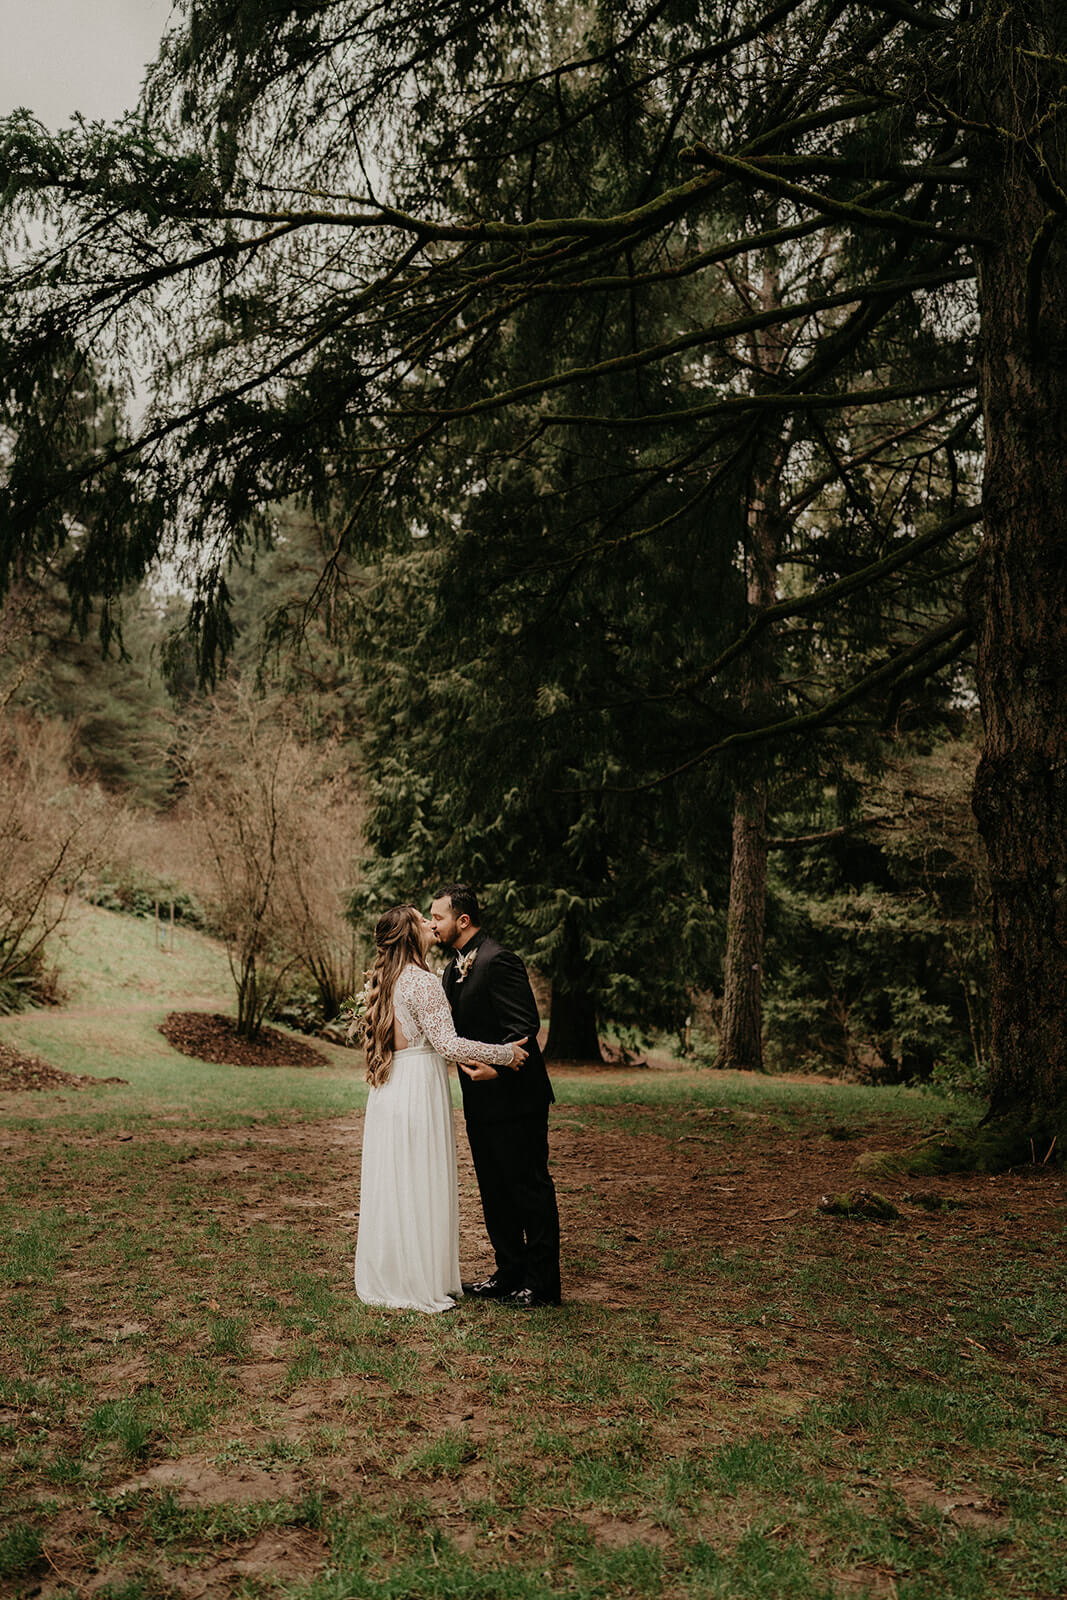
{"x":432,"y":1012}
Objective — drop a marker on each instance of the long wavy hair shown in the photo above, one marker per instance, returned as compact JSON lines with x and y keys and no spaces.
{"x":397,"y":945}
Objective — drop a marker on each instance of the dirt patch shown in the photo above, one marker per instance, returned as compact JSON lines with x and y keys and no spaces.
{"x":965,"y":1506}
{"x":615,"y":1533}
{"x":873,"y":1583}
{"x":120,"y":1378}
{"x":272,"y":1557}
{"x":196,"y":1481}
{"x":19,"y":1072}
{"x":210,"y":1036}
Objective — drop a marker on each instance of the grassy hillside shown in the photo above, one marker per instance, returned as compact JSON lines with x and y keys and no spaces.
{"x":118,"y":987}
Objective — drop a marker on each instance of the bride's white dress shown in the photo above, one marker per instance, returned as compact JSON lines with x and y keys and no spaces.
{"x":407,"y":1248}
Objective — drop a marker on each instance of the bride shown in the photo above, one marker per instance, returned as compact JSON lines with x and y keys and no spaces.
{"x":407,"y":1248}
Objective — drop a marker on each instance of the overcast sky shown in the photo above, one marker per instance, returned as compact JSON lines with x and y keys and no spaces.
{"x":62,"y":56}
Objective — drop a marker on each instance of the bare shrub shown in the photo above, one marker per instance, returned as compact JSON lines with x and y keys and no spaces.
{"x":157,"y":861}
{"x":318,"y":869}
{"x":18,"y":662}
{"x":277,"y":832}
{"x":54,"y":830}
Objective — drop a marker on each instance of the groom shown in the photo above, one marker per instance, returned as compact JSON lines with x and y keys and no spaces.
{"x":506,"y":1112}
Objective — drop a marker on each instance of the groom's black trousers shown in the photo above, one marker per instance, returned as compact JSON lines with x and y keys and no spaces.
{"x":519,"y":1201}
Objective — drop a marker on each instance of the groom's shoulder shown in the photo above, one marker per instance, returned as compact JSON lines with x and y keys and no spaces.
{"x":499,"y":954}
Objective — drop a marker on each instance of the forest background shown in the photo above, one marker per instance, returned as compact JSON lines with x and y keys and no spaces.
{"x":558,"y":437}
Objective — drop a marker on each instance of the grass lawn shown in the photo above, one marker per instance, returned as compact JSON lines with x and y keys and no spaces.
{"x":742,"y":1397}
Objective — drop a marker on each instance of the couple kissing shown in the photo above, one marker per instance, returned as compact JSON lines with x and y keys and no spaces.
{"x":483,"y":1016}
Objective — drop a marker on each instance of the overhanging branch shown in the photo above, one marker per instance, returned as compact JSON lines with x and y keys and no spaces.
{"x":755,"y":175}
{"x":841,"y":589}
{"x":903,"y":665}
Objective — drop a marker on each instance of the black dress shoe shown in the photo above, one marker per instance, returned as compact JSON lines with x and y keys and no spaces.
{"x":487,"y":1289}
{"x":527,"y":1300}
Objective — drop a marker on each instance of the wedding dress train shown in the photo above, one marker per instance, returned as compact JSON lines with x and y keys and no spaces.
{"x":407,"y":1248}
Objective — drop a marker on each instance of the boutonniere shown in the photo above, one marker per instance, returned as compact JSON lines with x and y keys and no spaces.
{"x":464,"y":963}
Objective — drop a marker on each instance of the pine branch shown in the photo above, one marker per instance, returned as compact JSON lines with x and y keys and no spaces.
{"x":785,"y":400}
{"x":712,"y":334}
{"x":901,"y":666}
{"x":841,"y":210}
{"x":704,"y":57}
{"x":220,"y":400}
{"x":927,"y":669}
{"x":821,"y":598}
{"x":757,"y":29}
{"x":668,"y":206}
{"x":912,"y":14}
{"x":815,"y":485}
{"x":896,"y":174}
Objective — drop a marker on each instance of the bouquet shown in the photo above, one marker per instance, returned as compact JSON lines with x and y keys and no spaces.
{"x":353,"y":1010}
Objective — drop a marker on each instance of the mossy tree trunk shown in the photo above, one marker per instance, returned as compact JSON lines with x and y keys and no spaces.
{"x":741,"y":1038}
{"x":741,"y":1045}
{"x":1019,"y":596}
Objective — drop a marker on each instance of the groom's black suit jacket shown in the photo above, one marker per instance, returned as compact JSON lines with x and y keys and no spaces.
{"x":494,"y":1003}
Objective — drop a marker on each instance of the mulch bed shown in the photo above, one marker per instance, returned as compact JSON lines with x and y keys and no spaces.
{"x":30,"y":1072}
{"x":209,"y":1036}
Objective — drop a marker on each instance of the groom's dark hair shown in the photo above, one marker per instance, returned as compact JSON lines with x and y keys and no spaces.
{"x":463,"y":900}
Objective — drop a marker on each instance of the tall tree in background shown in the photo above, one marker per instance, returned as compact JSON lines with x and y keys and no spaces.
{"x":117,"y":706}
{"x":484,"y":756}
{"x":1017,"y":109}
{"x":607,"y":492}
{"x":53,"y":630}
{"x":534,"y":629}
{"x":261,"y":197}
